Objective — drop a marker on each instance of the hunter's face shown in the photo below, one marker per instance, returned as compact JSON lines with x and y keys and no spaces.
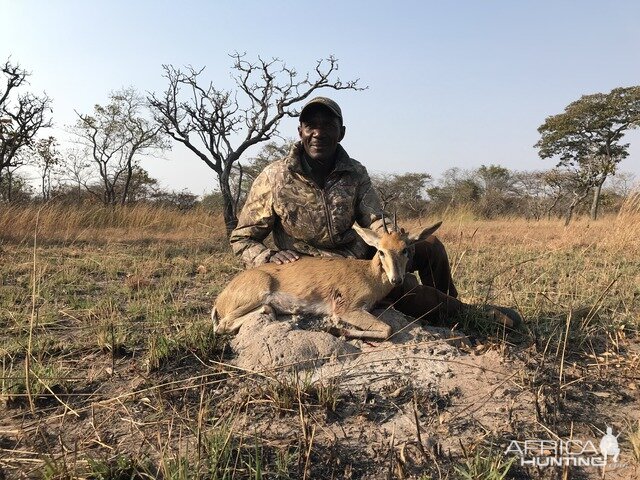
{"x":320,"y":132}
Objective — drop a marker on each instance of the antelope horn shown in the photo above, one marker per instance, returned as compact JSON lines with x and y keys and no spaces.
{"x":384,"y":224}
{"x":395,"y":221}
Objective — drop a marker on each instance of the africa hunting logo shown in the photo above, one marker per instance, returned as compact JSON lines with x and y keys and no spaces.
{"x":559,"y":453}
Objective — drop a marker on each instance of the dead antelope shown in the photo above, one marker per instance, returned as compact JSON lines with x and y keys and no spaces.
{"x":344,"y":288}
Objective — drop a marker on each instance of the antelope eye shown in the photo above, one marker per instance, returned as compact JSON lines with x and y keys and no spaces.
{"x":381,"y":253}
{"x":405,"y":252}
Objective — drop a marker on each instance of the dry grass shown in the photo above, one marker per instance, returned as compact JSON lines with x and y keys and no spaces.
{"x":126,"y":378}
{"x":71,"y":224}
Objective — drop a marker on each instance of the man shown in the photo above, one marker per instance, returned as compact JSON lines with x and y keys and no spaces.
{"x":309,"y":201}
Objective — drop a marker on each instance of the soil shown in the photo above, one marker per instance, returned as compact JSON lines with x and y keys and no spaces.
{"x":427,"y":394}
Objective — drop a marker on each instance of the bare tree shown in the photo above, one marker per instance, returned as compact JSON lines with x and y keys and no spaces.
{"x":114,"y":138}
{"x":622,"y":184}
{"x":46,"y":158}
{"x":567,"y":188}
{"x":21,"y":116}
{"x":218,"y":126}
{"x":76,"y":169}
{"x":385,"y":187}
{"x":14,"y":188}
{"x":531,"y":192}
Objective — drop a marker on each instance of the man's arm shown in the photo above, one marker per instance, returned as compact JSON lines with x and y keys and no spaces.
{"x":255,"y":222}
{"x":368,"y":205}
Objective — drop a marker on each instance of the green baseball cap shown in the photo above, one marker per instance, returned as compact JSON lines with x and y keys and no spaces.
{"x":325,"y":102}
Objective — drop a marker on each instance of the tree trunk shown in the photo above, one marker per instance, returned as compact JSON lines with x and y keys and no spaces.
{"x":569,"y":214}
{"x":127,"y":184}
{"x":109,"y":195}
{"x":576,"y":200}
{"x":44,"y":186}
{"x":228,"y":204}
{"x":48,"y":185}
{"x":9,"y":185}
{"x":553,"y":205}
{"x":596,"y":199}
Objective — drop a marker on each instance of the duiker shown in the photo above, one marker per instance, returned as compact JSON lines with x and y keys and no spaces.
{"x":344,"y":288}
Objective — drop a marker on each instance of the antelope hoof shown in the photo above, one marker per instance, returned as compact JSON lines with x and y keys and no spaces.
{"x":336,"y":331}
{"x":268,"y":310}
{"x":505,"y":316}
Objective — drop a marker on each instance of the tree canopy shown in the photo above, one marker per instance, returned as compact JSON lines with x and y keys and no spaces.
{"x":587,"y":136}
{"x":22,"y":115}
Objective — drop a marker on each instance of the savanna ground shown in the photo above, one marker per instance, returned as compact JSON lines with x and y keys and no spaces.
{"x":111,"y":370}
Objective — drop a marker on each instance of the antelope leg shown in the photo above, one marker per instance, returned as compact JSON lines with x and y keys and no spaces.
{"x":369,"y":327}
{"x":234,"y":320}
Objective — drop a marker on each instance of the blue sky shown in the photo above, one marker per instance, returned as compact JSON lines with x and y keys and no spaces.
{"x":451,"y":84}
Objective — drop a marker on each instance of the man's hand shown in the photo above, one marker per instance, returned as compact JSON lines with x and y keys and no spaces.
{"x":284,"y":256}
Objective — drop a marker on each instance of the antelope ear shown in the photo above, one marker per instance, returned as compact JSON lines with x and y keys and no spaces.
{"x":426,"y":233}
{"x":368,"y":235}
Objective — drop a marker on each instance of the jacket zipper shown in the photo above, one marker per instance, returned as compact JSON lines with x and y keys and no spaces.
{"x":328,"y":215}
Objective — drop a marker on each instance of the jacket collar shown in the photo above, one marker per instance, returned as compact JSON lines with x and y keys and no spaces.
{"x":343,"y":161}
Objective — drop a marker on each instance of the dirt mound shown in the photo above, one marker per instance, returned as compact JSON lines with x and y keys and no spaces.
{"x":263,"y":344}
{"x":414,"y":352}
{"x":395,"y":379}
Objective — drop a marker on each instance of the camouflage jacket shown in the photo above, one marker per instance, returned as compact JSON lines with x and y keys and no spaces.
{"x":302,"y":216}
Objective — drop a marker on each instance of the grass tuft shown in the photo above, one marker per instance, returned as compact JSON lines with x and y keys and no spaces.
{"x":120,"y":467}
{"x":486,"y":464}
{"x":287,"y":392}
{"x":634,"y":440}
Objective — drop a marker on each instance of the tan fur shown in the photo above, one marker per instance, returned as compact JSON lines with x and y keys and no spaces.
{"x":341,"y":287}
